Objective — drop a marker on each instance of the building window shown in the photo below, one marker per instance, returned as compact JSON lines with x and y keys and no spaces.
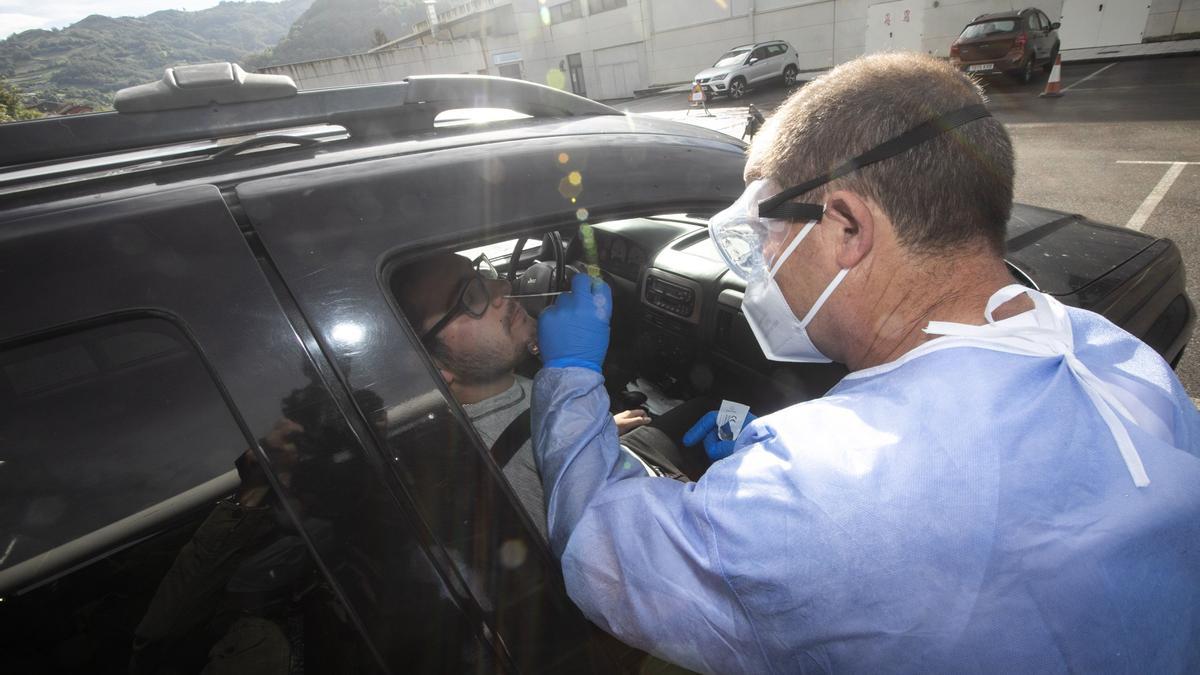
{"x":565,"y":12}
{"x":597,"y":6}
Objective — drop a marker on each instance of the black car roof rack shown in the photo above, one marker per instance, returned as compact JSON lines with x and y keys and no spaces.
{"x":213,"y":101}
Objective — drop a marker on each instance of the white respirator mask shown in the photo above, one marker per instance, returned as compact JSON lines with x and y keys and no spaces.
{"x":762,"y":215}
{"x":740,"y":236}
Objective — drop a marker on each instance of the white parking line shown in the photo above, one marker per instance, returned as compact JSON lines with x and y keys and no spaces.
{"x":1143,"y":212}
{"x":1076,"y":84}
{"x":1144,"y":161}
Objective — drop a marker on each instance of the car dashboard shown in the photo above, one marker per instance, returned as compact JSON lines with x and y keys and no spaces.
{"x":677,"y":321}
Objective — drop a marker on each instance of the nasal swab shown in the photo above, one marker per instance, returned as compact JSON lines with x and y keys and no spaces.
{"x":590,"y":257}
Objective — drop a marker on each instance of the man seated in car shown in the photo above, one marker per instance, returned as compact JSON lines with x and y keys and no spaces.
{"x":478,"y":337}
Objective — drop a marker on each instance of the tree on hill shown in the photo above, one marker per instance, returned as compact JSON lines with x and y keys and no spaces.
{"x":11,"y":108}
{"x":92,"y":59}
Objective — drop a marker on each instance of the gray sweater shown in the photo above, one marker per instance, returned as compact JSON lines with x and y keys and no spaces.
{"x":491,"y":417}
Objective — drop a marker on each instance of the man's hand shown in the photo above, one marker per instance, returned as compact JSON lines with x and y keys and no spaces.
{"x":574,"y":330}
{"x":706,"y":430}
{"x":630,"y":420}
{"x":280,"y":443}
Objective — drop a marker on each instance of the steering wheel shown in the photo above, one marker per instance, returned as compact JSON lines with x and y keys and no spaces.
{"x":548,"y":275}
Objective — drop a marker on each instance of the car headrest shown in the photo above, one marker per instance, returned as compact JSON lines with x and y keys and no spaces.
{"x":546,"y":252}
{"x":574,"y":248}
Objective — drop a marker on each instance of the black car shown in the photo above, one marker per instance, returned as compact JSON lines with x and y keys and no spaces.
{"x":225,"y":449}
{"x":1007,"y":42}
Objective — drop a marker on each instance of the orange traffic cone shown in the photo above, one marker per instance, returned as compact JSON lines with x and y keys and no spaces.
{"x":1054,"y":84}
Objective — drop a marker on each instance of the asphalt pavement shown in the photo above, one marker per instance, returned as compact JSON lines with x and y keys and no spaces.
{"x":1121,"y":146}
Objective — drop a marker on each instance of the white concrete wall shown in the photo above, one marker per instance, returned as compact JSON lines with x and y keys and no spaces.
{"x":546,"y":46}
{"x":1168,"y":17}
{"x":464,"y":56}
{"x":811,"y":29}
{"x":672,"y":14}
{"x":676,"y":55}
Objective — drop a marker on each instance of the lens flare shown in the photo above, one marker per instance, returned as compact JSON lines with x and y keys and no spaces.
{"x":581,"y":214}
{"x":513,"y":554}
{"x":563,"y":158}
{"x":556,"y":78}
{"x":545,"y":13}
{"x":568,"y":189}
{"x":575,"y":178}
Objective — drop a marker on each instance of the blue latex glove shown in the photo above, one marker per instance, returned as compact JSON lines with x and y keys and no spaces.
{"x":574,"y":330}
{"x":706,"y":429}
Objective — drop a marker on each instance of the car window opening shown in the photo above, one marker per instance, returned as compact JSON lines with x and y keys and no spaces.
{"x":987,"y":28}
{"x":652,"y":366}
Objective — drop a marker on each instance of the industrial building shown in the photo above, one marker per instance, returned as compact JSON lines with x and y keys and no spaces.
{"x":609,"y":49}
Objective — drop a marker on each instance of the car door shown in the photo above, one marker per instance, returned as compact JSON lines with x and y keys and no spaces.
{"x":1051,"y":34}
{"x":327,"y":231}
{"x":778,"y":58}
{"x":185,"y":487}
{"x":1037,"y":36}
{"x":760,"y":69}
{"x":333,"y":233}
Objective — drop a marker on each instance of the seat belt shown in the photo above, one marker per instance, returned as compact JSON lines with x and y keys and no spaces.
{"x":512,"y":438}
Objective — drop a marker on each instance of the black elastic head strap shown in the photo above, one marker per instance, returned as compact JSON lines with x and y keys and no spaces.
{"x":779,"y":207}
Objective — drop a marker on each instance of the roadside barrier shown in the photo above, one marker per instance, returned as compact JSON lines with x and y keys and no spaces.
{"x":1054,"y":84}
{"x":698,"y":97}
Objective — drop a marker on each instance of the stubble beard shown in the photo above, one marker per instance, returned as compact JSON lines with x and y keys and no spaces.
{"x":486,"y":364}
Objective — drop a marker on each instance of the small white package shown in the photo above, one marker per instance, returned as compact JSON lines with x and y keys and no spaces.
{"x":730,"y":419}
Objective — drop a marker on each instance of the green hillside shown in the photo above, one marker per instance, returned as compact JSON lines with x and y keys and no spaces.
{"x":339,"y":27}
{"x":88,"y":61}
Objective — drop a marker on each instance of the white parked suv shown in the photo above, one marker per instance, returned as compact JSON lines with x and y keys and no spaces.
{"x":741,"y":67}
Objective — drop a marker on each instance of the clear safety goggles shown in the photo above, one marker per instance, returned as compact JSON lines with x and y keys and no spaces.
{"x":742,"y":237}
{"x":760,"y":217}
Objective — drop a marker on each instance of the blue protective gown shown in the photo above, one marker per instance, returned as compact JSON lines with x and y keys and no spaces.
{"x":963,"y":509}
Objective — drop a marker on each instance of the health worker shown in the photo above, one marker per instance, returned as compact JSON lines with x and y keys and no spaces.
{"x":1001,"y":484}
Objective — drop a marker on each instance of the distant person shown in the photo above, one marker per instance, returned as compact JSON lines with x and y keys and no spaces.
{"x":754,"y":122}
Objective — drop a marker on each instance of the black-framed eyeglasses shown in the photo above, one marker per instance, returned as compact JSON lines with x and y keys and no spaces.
{"x":473,"y":297}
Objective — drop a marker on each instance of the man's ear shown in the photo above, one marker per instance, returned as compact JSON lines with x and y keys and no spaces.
{"x":856,"y":223}
{"x":446,"y":374}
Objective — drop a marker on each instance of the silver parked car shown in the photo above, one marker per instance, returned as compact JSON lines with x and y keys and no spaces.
{"x":742,"y":67}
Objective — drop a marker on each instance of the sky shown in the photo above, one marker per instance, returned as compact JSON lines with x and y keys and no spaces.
{"x":19,"y":15}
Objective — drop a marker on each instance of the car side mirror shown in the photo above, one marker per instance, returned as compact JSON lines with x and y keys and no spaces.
{"x":752,"y":61}
{"x":1055,"y":25}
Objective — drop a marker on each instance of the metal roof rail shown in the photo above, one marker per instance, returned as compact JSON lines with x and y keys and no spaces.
{"x":165,"y":116}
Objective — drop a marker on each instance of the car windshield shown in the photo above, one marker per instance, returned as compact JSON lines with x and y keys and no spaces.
{"x":986,"y":28}
{"x":731,"y":58}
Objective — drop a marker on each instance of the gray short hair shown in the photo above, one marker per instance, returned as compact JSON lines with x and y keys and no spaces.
{"x":953,"y":190}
